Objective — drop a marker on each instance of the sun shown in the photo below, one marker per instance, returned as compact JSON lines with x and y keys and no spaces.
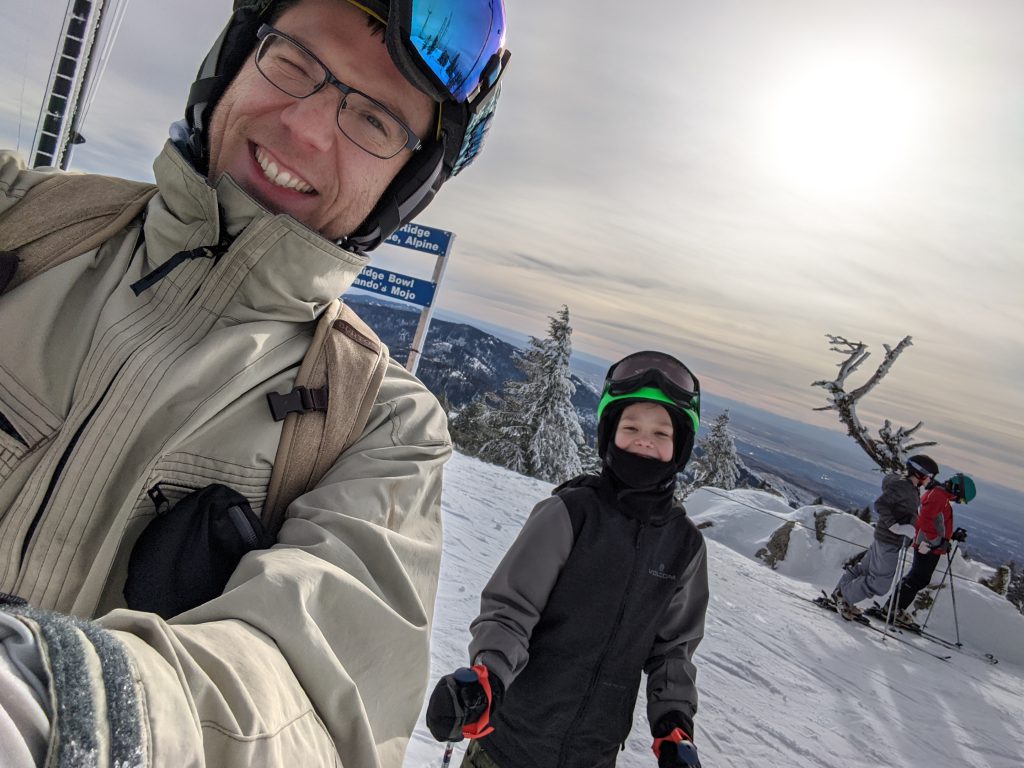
{"x":844,"y":125}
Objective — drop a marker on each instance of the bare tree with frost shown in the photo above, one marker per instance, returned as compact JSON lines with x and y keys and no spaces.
{"x":890,"y":449}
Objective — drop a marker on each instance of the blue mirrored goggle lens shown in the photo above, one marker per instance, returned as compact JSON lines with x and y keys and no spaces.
{"x":456,"y":39}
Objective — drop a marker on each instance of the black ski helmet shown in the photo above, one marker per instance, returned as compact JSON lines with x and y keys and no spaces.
{"x":462,"y":119}
{"x":922,"y":465}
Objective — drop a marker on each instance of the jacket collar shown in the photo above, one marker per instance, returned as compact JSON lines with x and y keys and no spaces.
{"x":296,"y":276}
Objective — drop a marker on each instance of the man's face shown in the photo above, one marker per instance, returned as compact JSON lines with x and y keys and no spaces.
{"x":254,"y":124}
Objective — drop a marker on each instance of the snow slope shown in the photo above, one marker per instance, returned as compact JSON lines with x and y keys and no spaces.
{"x":782,"y":682}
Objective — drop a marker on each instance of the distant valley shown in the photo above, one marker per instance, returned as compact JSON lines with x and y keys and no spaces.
{"x":460,"y":361}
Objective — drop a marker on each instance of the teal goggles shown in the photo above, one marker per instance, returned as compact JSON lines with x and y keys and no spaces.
{"x":653,"y":376}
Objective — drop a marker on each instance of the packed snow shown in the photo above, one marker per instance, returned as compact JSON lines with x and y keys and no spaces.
{"x":782,"y":683}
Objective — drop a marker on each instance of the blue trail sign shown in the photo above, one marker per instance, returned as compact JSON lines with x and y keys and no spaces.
{"x":420,"y":238}
{"x":396,"y":286}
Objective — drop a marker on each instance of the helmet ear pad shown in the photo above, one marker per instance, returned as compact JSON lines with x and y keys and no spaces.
{"x":412,"y":189}
{"x":682,"y":430}
{"x":232,"y":49}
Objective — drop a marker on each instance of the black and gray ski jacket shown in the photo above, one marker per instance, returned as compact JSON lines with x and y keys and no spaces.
{"x":586,"y":597}
{"x":898,"y":505}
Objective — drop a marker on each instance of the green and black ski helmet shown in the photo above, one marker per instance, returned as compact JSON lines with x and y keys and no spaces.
{"x":452,"y":50}
{"x":962,"y":486}
{"x":654,"y":377}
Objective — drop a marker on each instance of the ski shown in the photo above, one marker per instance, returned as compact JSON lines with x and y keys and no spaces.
{"x":877,"y":612}
{"x":824,"y":601}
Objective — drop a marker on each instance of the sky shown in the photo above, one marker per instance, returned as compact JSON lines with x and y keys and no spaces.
{"x":781,"y":683}
{"x":725,"y":181}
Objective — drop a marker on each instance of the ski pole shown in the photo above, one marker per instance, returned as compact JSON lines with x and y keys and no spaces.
{"x":952,"y":594}
{"x":938,"y":589}
{"x":894,"y":596}
{"x":447,"y":754}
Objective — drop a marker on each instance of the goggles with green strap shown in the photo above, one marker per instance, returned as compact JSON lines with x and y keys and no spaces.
{"x":655,"y":377}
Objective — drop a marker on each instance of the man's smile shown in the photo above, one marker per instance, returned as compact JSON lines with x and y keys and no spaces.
{"x":279,"y":175}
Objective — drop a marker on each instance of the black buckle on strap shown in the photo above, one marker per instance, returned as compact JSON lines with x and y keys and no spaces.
{"x":299,"y":400}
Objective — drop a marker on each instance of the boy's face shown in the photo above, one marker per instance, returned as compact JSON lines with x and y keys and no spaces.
{"x":646,"y":430}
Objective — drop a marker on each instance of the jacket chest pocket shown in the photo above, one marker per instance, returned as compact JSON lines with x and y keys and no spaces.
{"x":176,"y":475}
{"x":26,"y":424}
{"x":172,"y":478}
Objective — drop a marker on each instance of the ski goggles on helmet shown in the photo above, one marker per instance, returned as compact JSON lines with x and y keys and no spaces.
{"x":653,"y":376}
{"x":452,"y":49}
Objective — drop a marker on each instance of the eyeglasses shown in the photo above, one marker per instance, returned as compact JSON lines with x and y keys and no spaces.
{"x":292,"y":68}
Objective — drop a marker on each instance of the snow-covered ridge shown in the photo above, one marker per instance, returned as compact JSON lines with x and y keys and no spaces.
{"x":783,"y":684}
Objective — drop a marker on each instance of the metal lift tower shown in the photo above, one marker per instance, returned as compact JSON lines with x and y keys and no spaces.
{"x":73,"y":76}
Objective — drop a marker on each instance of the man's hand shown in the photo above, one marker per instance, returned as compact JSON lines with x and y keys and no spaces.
{"x":960,"y":534}
{"x":462,"y":704}
{"x":923,"y":548}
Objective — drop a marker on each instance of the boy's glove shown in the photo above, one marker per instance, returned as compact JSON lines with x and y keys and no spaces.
{"x":923,"y":548}
{"x":674,"y":748}
{"x":960,"y":534}
{"x":462,"y":704}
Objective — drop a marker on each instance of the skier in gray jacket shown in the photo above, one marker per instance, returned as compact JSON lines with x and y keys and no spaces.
{"x":897,"y":510}
{"x":607,"y":578}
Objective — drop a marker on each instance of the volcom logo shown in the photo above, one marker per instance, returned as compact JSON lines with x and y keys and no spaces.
{"x":660,"y":573}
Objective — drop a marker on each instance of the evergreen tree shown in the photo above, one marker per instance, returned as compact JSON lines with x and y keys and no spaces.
{"x":537,"y":431}
{"x":1015,"y":588}
{"x":718,"y":464}
{"x":1000,"y":580}
{"x":472,"y":427}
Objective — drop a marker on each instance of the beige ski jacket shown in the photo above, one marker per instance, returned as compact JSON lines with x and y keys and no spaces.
{"x":317,"y":653}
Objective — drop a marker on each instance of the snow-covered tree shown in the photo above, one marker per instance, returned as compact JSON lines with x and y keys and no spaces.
{"x":537,"y":431}
{"x":718,"y":464}
{"x":472,"y":427}
{"x":1015,"y":587}
{"x":890,"y":451}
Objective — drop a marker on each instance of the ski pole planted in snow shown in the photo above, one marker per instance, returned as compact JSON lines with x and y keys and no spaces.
{"x":447,"y":754}
{"x":952,"y":594}
{"x":894,"y":594}
{"x":938,"y":589}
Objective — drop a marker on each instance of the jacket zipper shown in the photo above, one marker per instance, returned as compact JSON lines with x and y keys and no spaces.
{"x":55,"y":477}
{"x":611,"y":641}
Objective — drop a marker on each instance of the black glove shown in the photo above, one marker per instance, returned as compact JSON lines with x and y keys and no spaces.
{"x":462,"y":704}
{"x":959,"y":534}
{"x":672,"y":745}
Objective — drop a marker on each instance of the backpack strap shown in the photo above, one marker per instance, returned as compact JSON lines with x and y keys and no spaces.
{"x":63,"y":217}
{"x":327,"y":410}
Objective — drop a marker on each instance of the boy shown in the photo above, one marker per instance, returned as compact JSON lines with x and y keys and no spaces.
{"x":897,"y":512}
{"x":607,"y":578}
{"x":933,"y":532}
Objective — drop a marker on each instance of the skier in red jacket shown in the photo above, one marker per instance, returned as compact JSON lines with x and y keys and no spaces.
{"x":933,"y":532}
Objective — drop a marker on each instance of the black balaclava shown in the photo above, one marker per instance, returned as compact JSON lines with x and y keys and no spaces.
{"x":645,"y":486}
